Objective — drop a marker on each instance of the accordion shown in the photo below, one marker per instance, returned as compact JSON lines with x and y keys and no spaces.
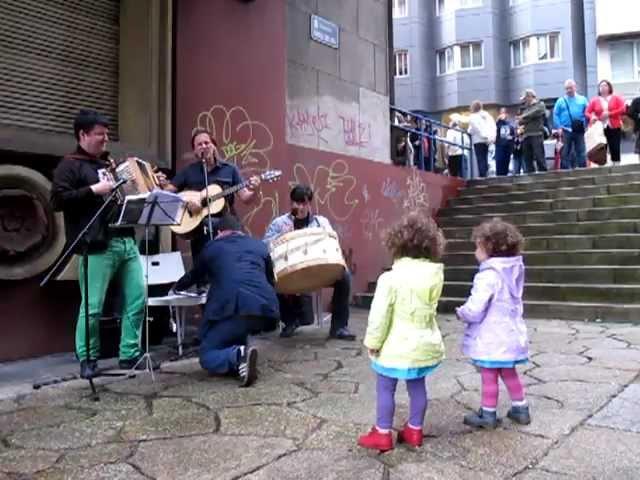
{"x":139,"y":175}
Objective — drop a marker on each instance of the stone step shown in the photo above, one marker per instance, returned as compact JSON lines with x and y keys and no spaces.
{"x":571,"y":203}
{"x":555,"y":216}
{"x":550,"y":229}
{"x":567,"y":192}
{"x":560,"y":257}
{"x":564,"y":242}
{"x":601,"y":274}
{"x":566,"y":292}
{"x":555,"y":174}
{"x":536,"y":183}
{"x":548,"y":310}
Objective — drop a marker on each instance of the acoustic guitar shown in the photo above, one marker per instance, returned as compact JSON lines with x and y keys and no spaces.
{"x":215,"y":195}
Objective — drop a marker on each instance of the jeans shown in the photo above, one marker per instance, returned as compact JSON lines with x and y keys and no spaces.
{"x":518,"y":162}
{"x":121,"y":260}
{"x":386,"y":404}
{"x":219,"y":342}
{"x":503,"y":158}
{"x":533,"y":153}
{"x":482,"y":153}
{"x":297,"y":309}
{"x":574,"y":151}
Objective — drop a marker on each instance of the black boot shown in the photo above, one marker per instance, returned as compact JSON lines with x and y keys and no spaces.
{"x":520,"y":414}
{"x":482,"y":419}
{"x":288,"y":330}
{"x":88,"y":368}
{"x":342,"y":334}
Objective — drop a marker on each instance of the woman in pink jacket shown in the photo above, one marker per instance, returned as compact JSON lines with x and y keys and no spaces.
{"x":608,"y":108}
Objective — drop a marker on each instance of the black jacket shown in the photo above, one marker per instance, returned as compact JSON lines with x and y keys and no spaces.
{"x":634,"y":113}
{"x":71,"y":193}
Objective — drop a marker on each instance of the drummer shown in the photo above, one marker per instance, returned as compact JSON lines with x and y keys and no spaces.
{"x":296,"y":310}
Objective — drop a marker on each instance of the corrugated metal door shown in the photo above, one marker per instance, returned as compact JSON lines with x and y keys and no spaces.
{"x":57,"y":56}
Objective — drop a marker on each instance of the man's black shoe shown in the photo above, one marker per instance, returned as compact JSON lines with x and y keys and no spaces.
{"x":130,"y":363}
{"x":248,"y":366}
{"x":288,"y":330}
{"x":342,"y":334}
{"x":88,"y":369}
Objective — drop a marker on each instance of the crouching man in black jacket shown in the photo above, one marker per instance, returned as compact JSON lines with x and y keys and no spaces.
{"x":241,"y":300}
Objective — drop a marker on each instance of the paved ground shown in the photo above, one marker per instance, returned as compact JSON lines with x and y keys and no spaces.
{"x":314,"y":397}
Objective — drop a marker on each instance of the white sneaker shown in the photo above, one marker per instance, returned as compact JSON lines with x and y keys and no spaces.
{"x":248,"y":367}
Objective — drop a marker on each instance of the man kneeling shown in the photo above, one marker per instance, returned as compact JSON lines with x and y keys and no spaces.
{"x":241,"y":300}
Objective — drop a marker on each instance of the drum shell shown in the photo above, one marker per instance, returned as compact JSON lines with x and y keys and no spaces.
{"x":306,"y":260}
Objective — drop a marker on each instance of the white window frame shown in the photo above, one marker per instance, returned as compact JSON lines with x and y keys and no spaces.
{"x":456,"y":52}
{"x":636,"y":59}
{"x":398,"y":11}
{"x":397,"y":72}
{"x":453,"y":5}
{"x":536,"y":53}
{"x":513,"y":3}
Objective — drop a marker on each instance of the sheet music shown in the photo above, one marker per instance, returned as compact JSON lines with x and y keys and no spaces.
{"x":136,"y":209}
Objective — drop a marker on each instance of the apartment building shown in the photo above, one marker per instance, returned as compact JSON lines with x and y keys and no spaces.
{"x":612,"y":30}
{"x":449,"y":52}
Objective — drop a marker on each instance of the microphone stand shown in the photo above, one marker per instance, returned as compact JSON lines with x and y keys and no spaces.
{"x":205,"y":169}
{"x":85,"y":264}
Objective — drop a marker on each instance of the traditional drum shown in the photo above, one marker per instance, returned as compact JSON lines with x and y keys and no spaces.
{"x":306,"y":260}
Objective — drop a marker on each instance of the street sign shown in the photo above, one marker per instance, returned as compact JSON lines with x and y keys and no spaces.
{"x":325,"y":31}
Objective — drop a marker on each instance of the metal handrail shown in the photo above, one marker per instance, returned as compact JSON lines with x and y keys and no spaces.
{"x":430,"y":134}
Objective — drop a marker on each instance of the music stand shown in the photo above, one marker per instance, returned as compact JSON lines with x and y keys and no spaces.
{"x":157,"y":208}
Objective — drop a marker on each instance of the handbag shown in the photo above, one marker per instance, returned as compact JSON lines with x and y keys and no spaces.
{"x":577,"y":126}
{"x":596,"y":143}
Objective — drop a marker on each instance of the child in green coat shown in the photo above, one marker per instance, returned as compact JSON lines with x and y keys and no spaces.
{"x":403,"y":337}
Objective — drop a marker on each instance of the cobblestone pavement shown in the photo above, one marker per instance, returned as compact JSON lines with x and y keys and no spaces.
{"x":313,"y":397}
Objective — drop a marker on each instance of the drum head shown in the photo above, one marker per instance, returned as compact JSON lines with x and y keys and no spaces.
{"x":309,"y":279}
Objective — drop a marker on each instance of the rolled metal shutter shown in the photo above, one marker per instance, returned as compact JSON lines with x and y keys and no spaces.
{"x":58,"y":56}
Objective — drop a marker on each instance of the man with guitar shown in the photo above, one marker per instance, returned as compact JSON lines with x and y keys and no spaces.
{"x":219,"y":172}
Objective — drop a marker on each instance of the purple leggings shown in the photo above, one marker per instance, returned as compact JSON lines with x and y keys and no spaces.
{"x":386,"y":390}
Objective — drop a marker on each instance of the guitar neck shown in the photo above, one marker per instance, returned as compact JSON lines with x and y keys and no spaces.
{"x":228,"y":191}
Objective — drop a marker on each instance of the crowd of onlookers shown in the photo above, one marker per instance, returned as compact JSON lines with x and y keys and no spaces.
{"x":585,"y":131}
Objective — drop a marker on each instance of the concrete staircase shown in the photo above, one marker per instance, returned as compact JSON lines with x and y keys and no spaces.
{"x":583,"y":241}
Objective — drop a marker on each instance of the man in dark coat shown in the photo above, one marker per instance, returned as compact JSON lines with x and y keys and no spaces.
{"x":241,"y":300}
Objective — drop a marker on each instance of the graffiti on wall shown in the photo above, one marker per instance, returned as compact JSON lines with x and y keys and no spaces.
{"x":333,"y":188}
{"x":417,"y":197}
{"x":246,"y":143}
{"x":355,"y":133}
{"x":359,"y":127}
{"x":371,"y":223}
{"x":302,"y":122}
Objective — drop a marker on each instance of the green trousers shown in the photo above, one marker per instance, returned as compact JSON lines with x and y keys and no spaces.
{"x":121,"y":260}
